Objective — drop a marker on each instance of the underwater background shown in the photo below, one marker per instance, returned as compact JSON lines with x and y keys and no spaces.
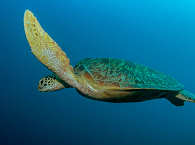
{"x":157,"y":33}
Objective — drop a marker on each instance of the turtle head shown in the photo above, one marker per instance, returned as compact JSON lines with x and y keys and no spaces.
{"x":51,"y":83}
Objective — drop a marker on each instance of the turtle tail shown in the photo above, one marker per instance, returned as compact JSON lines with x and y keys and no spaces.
{"x":186,"y":96}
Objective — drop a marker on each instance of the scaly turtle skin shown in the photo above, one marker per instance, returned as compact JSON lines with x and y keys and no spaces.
{"x":105,"y":79}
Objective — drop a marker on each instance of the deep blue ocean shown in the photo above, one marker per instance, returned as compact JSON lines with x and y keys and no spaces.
{"x":156,"y":33}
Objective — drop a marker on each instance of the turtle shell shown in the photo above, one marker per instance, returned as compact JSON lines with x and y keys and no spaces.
{"x":125,"y":74}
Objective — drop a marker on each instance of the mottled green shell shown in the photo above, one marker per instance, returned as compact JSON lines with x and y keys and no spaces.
{"x":126,"y":74}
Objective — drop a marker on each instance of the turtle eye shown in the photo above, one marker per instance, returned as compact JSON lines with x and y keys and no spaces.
{"x":41,"y":82}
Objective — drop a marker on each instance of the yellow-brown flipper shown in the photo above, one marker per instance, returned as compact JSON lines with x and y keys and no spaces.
{"x":47,"y":50}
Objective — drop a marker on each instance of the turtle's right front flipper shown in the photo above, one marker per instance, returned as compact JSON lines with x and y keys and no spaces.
{"x":47,"y":50}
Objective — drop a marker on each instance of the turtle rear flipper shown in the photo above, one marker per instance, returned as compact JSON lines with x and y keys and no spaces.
{"x":175,"y":101}
{"x":186,"y":96}
{"x":47,"y":50}
{"x":51,"y":83}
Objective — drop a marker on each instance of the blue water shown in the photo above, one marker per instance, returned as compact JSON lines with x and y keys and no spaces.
{"x":159,"y":34}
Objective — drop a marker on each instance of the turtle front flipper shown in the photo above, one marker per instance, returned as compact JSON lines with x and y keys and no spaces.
{"x":51,"y":83}
{"x":47,"y":50}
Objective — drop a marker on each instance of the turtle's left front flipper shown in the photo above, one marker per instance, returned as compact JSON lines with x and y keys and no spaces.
{"x":47,"y":50}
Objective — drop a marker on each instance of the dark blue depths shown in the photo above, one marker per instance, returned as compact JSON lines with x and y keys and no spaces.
{"x":159,"y":34}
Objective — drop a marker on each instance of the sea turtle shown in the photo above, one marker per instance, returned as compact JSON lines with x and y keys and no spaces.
{"x":105,"y":79}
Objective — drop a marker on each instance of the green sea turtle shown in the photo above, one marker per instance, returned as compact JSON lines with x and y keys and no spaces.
{"x":105,"y":79}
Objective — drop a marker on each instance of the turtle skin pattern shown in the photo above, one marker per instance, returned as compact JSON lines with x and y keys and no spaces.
{"x":125,"y":74}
